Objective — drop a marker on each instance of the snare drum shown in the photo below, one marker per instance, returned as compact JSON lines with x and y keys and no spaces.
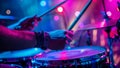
{"x":18,"y":59}
{"x":81,"y":57}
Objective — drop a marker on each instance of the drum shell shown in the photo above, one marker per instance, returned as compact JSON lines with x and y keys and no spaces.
{"x":93,"y":61}
{"x":18,"y":58}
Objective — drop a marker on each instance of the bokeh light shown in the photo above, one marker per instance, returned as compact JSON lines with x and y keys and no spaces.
{"x":43,"y":3}
{"x":109,"y":13}
{"x":56,"y":18}
{"x":77,"y":13}
{"x":8,"y":11}
{"x":60,"y":9}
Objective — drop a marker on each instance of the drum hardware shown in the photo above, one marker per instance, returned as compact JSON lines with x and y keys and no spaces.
{"x":109,"y":23}
{"x":21,"y":58}
{"x":19,"y":62}
{"x":110,"y":40}
{"x":111,"y":60}
{"x":89,"y":41}
{"x":10,"y":66}
{"x":4,"y":58}
{"x":81,"y":57}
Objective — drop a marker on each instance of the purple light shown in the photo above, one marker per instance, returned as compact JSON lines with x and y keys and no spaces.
{"x":109,"y":13}
{"x":56,"y":18}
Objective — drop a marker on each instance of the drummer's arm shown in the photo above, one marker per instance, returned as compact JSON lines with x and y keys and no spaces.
{"x":13,"y":39}
{"x":16,"y":39}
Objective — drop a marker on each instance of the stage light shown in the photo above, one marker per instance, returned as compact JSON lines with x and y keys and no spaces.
{"x":109,"y":13}
{"x":60,"y":9}
{"x":8,"y":11}
{"x":43,"y":3}
{"x":68,"y":47}
{"x":56,"y":18}
{"x":77,"y":13}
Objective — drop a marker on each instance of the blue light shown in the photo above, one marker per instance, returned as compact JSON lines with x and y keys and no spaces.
{"x":68,"y":47}
{"x":43,"y":3}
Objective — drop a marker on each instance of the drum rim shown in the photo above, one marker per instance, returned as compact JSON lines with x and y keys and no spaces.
{"x":100,"y":54}
{"x":34,"y":51}
{"x":80,"y":61}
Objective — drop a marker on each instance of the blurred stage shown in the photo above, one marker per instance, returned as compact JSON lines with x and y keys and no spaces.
{"x":92,"y":20}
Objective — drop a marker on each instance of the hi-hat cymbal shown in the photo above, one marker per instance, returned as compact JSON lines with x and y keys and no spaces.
{"x":7,"y":17}
{"x":104,"y":24}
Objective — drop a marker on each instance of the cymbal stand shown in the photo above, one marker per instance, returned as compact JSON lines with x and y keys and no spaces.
{"x":111,"y":60}
{"x":89,"y":42}
{"x":110,"y":40}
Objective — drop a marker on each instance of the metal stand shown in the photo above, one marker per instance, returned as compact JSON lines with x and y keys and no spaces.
{"x":111,"y":60}
{"x":89,"y":41}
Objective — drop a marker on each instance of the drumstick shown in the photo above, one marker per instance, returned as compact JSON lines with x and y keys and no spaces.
{"x":17,"y":24}
{"x":52,"y":8}
{"x":83,"y":10}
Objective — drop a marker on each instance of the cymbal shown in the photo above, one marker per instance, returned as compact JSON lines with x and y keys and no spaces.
{"x":100,"y":25}
{"x":7,"y":17}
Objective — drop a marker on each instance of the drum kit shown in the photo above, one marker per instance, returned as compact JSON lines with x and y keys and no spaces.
{"x":78,"y":57}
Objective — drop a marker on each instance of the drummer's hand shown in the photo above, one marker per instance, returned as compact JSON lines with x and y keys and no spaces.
{"x":28,"y":23}
{"x":113,"y":32}
{"x":59,"y":38}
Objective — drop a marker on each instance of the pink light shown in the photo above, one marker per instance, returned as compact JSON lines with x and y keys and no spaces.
{"x":102,"y":23}
{"x":63,"y":55}
{"x":60,"y":9}
{"x":77,"y":13}
{"x":109,"y":13}
{"x":56,"y":18}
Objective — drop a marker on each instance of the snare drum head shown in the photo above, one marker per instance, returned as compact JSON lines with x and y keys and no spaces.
{"x":82,"y":53}
{"x":20,"y":53}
